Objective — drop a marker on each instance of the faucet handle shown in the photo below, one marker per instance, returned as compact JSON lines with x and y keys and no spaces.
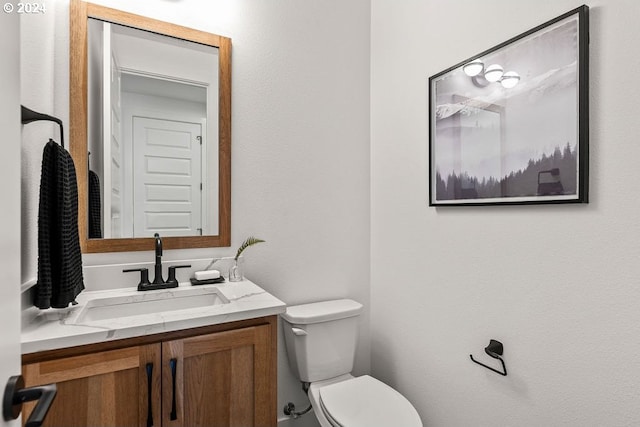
{"x":172,"y":274}
{"x":144,"y":276}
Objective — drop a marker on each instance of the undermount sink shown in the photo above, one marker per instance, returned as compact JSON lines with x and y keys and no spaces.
{"x":149,"y":302}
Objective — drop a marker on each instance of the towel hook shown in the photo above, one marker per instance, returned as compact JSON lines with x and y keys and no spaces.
{"x":495,"y":350}
{"x":28,"y":116}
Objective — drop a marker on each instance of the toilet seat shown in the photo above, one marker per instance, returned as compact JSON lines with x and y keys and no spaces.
{"x":366,"y":402}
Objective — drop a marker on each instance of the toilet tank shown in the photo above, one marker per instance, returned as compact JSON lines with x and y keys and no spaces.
{"x":321,"y":338}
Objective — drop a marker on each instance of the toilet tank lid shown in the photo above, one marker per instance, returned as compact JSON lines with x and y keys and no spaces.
{"x":322,"y":311}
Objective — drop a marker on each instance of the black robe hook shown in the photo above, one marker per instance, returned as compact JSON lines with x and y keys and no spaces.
{"x":495,"y":350}
{"x":29,"y":116}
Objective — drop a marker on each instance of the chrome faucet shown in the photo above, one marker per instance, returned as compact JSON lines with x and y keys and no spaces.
{"x":158,"y":280}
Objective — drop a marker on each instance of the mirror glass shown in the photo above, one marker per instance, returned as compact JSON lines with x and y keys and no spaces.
{"x":153,"y":109}
{"x":150,"y":131}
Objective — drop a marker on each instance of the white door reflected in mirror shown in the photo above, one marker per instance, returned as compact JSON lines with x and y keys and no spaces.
{"x":167,"y":178}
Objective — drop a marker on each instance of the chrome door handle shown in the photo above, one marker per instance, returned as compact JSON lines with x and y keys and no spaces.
{"x":15,"y":395}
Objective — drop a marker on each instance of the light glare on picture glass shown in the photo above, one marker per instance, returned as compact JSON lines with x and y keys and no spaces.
{"x":473,"y":68}
{"x":493,"y":73}
{"x":510,"y":79}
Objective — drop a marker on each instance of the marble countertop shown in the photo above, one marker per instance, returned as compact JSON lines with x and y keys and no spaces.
{"x":54,"y":329}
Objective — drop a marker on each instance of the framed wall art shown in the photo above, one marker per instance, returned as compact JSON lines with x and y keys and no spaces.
{"x":511,"y":124}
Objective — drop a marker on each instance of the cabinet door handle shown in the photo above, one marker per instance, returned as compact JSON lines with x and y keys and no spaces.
{"x":173,"y":364}
{"x":149,"y":389}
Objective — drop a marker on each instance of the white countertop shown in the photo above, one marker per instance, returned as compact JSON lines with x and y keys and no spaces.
{"x":54,"y":329}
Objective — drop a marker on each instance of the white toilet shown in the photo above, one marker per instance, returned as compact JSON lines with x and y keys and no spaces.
{"x":321,"y":343}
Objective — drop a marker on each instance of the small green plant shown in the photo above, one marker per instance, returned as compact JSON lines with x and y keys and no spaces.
{"x":249,"y":242}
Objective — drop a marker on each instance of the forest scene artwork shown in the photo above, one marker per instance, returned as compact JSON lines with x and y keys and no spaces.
{"x":510,"y":125}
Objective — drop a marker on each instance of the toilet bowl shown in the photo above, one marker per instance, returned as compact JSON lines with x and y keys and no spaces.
{"x":321,"y":342}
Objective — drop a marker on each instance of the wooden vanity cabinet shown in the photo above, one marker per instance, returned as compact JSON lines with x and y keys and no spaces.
{"x":217,"y":377}
{"x":222,"y":379}
{"x":107,"y":388}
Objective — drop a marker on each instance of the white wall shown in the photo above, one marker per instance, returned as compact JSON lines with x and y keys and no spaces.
{"x":300,"y":156}
{"x":44,"y":87}
{"x":10,"y":172}
{"x":558,"y":285}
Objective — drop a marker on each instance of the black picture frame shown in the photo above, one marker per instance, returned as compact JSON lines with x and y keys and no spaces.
{"x":516,"y":132}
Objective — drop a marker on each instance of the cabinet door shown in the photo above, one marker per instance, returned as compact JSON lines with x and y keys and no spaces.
{"x":221,"y":379}
{"x":107,"y":388}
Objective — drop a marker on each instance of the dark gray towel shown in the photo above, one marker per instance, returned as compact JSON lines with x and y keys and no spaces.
{"x":95,"y":206}
{"x":59,"y":257}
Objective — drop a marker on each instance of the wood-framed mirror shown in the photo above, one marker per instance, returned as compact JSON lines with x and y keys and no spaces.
{"x":166,"y":166}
